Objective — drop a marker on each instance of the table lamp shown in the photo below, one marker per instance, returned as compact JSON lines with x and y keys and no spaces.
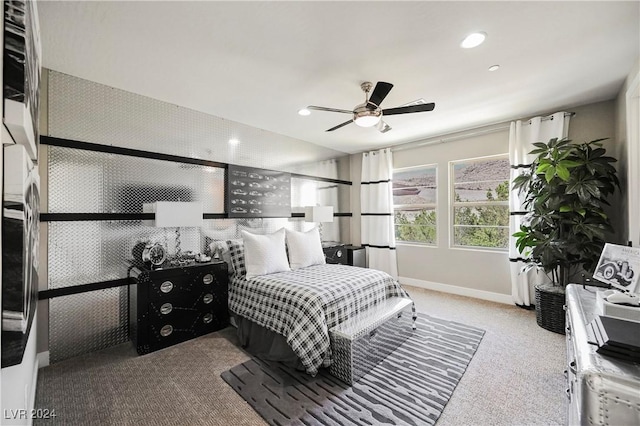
{"x":175,"y":214}
{"x":318,"y":214}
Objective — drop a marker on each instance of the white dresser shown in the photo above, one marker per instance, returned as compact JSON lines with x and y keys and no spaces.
{"x":601,"y":390}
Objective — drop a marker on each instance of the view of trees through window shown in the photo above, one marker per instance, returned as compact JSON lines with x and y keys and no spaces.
{"x":481,"y":202}
{"x":414,"y":199}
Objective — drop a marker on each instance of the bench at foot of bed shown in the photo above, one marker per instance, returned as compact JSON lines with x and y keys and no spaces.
{"x":362,"y":342}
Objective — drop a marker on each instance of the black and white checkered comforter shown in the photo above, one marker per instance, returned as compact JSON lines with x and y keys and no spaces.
{"x":302,"y":305}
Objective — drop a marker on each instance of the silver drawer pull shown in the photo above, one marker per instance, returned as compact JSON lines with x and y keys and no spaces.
{"x":166,"y":330}
{"x":207,"y":279}
{"x":166,"y":308}
{"x":207,"y":318}
{"x":208,"y":298}
{"x":166,"y":286}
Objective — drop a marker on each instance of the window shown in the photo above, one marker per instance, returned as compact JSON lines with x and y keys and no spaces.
{"x":414,"y":204}
{"x":480,"y":202}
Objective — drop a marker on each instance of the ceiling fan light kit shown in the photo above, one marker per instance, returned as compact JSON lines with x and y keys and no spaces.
{"x":369,"y":113}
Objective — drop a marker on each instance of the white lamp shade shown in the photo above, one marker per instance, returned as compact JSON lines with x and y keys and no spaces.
{"x":318,"y":214}
{"x":171,"y":214}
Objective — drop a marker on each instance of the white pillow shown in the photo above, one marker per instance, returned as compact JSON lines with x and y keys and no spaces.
{"x":264,"y":254}
{"x":305,"y":248}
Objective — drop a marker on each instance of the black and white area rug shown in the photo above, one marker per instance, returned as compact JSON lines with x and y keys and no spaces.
{"x":410,"y":387}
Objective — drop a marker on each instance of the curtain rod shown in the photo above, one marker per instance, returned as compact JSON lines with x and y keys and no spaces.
{"x":491,"y":128}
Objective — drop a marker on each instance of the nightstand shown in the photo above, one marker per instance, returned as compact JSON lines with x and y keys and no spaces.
{"x":174,"y":304}
{"x":339,"y":253}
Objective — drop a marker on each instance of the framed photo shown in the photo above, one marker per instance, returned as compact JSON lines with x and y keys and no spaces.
{"x":620,"y":267}
{"x":255,"y":193}
{"x":22,"y":71}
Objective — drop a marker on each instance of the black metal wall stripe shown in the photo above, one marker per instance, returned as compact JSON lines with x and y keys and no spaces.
{"x":82,"y":288}
{"x":81,"y":217}
{"x":110,"y":149}
{"x":519,"y":213}
{"x":321,"y":179}
{"x":88,"y":217}
{"x":520,"y":166}
{"x":519,"y":259}
{"x":376,"y":246}
{"x":373,"y":182}
{"x":376,"y":214}
{"x":334,"y":215}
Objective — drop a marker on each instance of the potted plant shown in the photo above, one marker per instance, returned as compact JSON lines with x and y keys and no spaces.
{"x":565,"y":192}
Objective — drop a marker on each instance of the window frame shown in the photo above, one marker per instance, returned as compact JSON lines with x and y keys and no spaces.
{"x":430,"y":206}
{"x":453,"y":204}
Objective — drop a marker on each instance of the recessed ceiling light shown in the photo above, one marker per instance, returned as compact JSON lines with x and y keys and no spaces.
{"x":304,"y":111}
{"x":233,"y":141}
{"x":494,"y":67}
{"x":473,"y":40}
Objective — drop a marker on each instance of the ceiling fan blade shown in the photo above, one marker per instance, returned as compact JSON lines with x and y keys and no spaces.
{"x":340,"y":125}
{"x":380,"y":92}
{"x":319,"y":108}
{"x":409,"y":109}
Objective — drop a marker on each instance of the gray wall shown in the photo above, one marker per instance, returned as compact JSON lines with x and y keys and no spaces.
{"x":480,"y":273}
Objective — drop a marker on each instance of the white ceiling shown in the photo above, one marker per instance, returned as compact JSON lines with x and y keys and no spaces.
{"x":259,"y":62}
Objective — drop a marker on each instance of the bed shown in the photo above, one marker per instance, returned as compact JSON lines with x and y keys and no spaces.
{"x":300,"y":306}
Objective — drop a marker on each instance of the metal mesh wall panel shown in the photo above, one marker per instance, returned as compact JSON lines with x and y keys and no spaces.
{"x":86,"y":322}
{"x":82,"y":181}
{"x":87,"y":111}
{"x":95,"y":182}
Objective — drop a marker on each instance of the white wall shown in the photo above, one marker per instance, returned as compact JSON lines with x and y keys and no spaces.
{"x":622,"y":152}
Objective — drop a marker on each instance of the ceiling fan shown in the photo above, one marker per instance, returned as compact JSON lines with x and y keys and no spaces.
{"x":369,"y":113}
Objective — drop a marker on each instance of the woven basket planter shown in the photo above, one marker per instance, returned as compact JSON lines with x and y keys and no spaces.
{"x":550,"y":313}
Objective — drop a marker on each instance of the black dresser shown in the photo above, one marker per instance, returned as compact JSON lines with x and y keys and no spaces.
{"x":174,"y":304}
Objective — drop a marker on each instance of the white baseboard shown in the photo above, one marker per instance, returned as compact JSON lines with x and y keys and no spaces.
{"x":43,"y":359}
{"x":461,"y":291}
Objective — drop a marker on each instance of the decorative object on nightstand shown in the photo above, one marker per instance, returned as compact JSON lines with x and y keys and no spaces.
{"x":170,"y":214}
{"x":318,"y":214}
{"x":342,"y":254}
{"x":176,"y":303}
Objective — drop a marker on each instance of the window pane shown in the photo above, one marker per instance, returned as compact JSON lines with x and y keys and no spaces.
{"x":414,"y":195}
{"x":481,"y":216}
{"x":487,"y":236}
{"x":416,"y":225}
{"x":415,"y":186}
{"x":495,"y":190}
{"x":481,"y":170}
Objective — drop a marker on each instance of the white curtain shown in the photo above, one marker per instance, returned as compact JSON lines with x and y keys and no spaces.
{"x":522,"y":136}
{"x":376,"y":199}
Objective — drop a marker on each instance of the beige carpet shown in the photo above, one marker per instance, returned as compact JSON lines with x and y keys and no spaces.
{"x":515,"y":377}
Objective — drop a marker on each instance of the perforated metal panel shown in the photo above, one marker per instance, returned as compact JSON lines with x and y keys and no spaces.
{"x":95,"y":182}
{"x":87,"y":111}
{"x":82,"y":181}
{"x":87,"y":322}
